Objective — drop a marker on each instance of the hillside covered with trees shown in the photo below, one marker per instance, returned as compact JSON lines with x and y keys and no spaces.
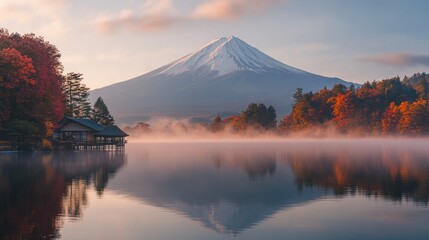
{"x":35,"y":95}
{"x":391,"y":106}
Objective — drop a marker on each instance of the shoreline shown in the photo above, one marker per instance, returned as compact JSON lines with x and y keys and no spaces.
{"x":8,"y":151}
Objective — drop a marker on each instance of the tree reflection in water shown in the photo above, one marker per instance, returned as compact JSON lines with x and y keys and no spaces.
{"x":380,"y":171}
{"x":37,"y":190}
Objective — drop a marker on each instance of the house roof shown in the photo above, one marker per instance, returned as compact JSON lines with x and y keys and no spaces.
{"x":87,"y":123}
{"x":111,"y":131}
{"x":99,"y":130}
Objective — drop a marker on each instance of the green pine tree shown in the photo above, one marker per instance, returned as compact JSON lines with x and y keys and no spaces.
{"x":271,"y":118}
{"x":100,"y":113}
{"x":76,"y":96}
{"x":258,"y":115}
{"x":84,"y":104}
{"x":298,"y":95}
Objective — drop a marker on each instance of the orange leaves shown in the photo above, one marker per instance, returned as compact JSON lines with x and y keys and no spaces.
{"x":391,"y":118}
{"x":344,"y":109}
{"x":388,"y":106}
{"x":407,"y":118}
{"x":414,"y":117}
{"x":236,"y":123}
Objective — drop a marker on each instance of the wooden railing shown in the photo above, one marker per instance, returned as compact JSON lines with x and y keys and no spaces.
{"x":94,"y":143}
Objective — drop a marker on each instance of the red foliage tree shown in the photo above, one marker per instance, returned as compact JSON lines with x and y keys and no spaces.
{"x":46,"y":97}
{"x":16,"y":82}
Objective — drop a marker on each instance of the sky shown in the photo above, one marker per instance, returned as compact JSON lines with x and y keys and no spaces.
{"x":111,"y":41}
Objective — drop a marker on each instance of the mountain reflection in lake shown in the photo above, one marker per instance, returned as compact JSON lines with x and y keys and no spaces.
{"x":318,"y":189}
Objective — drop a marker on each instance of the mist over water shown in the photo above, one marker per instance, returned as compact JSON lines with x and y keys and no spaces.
{"x":171,"y":130}
{"x":183,"y":130}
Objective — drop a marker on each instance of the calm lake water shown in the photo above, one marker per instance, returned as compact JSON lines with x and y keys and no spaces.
{"x":315,"y":189}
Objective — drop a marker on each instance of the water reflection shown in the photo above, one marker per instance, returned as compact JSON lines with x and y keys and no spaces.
{"x":36,"y":190}
{"x":391,"y":171}
{"x":227,"y":188}
{"x":232,"y":187}
{"x":257,"y":164}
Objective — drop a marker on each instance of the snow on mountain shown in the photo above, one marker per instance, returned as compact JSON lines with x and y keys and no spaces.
{"x":227,"y":55}
{"x":224,"y":76}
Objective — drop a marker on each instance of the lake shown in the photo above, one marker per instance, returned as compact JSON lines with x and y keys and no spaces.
{"x":294,"y":189}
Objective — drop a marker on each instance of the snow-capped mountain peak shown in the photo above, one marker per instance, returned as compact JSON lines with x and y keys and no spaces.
{"x":224,"y":76}
{"x":226,"y":55}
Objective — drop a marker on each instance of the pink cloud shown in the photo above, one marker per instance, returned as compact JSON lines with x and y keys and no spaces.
{"x":399,"y":59}
{"x":155,"y":16}
{"x":133,"y":23}
{"x":26,"y":10}
{"x":45,"y":16}
{"x":14,"y":12}
{"x":231,"y":9}
{"x":159,"y":15}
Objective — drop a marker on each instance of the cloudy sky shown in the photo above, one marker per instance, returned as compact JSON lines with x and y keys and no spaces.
{"x":114,"y":40}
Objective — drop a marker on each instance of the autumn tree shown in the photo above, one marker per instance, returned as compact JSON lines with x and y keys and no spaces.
{"x":100,"y":113}
{"x":43,"y":95}
{"x":16,"y":81}
{"x":391,"y":118}
{"x":235,"y":123}
{"x":286,"y":125}
{"x":344,"y":110}
{"x":380,"y":106}
{"x":321,"y":104}
{"x":414,"y":117}
{"x":46,"y":96}
{"x":303,"y":113}
{"x":311,"y":109}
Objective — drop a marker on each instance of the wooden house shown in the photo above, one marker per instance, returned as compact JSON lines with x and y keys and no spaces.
{"x":85,"y":133}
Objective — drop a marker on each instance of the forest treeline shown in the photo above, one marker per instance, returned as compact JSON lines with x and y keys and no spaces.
{"x":35,"y":95}
{"x":255,"y":117}
{"x":390,"y":106}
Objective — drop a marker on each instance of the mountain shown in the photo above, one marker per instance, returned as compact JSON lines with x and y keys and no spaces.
{"x":222,"y":77}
